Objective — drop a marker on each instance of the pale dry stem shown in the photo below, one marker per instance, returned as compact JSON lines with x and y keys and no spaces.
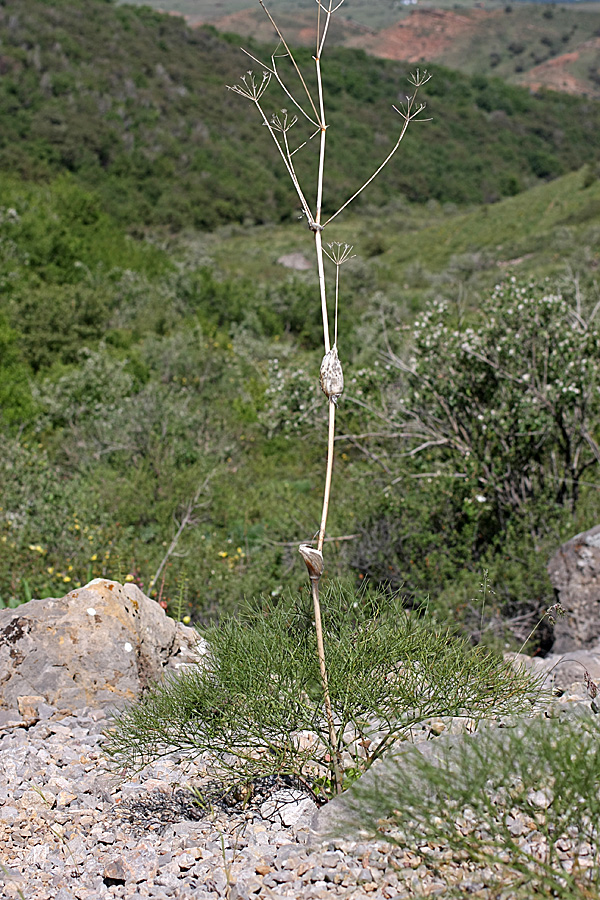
{"x":408,"y":112}
{"x":335,"y":761}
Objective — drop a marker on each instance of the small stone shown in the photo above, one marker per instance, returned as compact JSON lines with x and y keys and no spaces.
{"x":275,"y":878}
{"x":40,"y":798}
{"x":516,"y":826}
{"x":365,"y":876}
{"x":331,"y":859}
{"x":11,"y":718}
{"x":64,"y":894}
{"x":317,"y":873}
{"x":37,"y":855}
{"x":134,"y":866}
{"x":106,"y":837}
{"x":542,"y":798}
{"x":9,"y":814}
{"x":12,"y":889}
{"x":288,"y":807}
{"x":28,"y":707}
{"x":437,"y":726}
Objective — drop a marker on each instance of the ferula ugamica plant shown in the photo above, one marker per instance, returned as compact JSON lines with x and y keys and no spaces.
{"x":310,"y":109}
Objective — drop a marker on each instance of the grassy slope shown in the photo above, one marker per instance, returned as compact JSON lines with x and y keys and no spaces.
{"x":198,"y":387}
{"x":148,"y":124}
{"x":535,"y":234}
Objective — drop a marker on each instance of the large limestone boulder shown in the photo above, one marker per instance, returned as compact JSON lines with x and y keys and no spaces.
{"x":574,"y":571}
{"x":98,"y":646}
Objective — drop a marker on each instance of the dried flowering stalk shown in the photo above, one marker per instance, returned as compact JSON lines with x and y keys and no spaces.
{"x":312,"y":110}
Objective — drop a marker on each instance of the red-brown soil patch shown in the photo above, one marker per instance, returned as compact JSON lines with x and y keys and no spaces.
{"x":245,"y":21}
{"x":421,"y":35}
{"x":424,"y":34}
{"x":554,"y":74}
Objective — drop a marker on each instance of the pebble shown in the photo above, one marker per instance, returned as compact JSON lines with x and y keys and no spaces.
{"x":70,"y":829}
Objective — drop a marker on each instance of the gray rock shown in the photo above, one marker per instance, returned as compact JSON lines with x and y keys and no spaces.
{"x":338,"y":817}
{"x":288,"y":807}
{"x":135,"y":866}
{"x":561,"y":670}
{"x":574,"y":571}
{"x":98,"y":646}
{"x":296,"y":261}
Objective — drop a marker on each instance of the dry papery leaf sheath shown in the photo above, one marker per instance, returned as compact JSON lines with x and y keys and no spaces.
{"x":312,"y":111}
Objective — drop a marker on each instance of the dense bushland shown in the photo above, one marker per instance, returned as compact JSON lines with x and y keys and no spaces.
{"x":148,"y":380}
{"x":132,"y":103}
{"x":116,"y":411}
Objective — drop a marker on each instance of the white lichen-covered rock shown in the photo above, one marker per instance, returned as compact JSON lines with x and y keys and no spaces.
{"x":98,"y":646}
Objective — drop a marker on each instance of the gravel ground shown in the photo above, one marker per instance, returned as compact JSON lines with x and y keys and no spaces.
{"x":69,"y":828}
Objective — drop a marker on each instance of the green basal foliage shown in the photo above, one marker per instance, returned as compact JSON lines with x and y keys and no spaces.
{"x":253,"y":704}
{"x":470,"y":798}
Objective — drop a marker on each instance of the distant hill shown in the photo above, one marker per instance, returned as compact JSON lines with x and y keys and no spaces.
{"x":535,"y":44}
{"x":134,"y":104}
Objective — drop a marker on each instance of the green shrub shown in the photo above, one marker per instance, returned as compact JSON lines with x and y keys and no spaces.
{"x":493,"y":439}
{"x":16,"y":402}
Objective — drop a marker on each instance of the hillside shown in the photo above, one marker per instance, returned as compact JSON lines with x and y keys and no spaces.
{"x":148,"y":122}
{"x":539,"y":45}
{"x":133,"y":371}
{"x":159,"y":358}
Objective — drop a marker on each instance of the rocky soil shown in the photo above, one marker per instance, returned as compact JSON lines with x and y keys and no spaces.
{"x":72,"y":828}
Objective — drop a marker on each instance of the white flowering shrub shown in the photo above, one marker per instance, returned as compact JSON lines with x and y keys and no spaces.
{"x":292,"y":400}
{"x":511,"y":400}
